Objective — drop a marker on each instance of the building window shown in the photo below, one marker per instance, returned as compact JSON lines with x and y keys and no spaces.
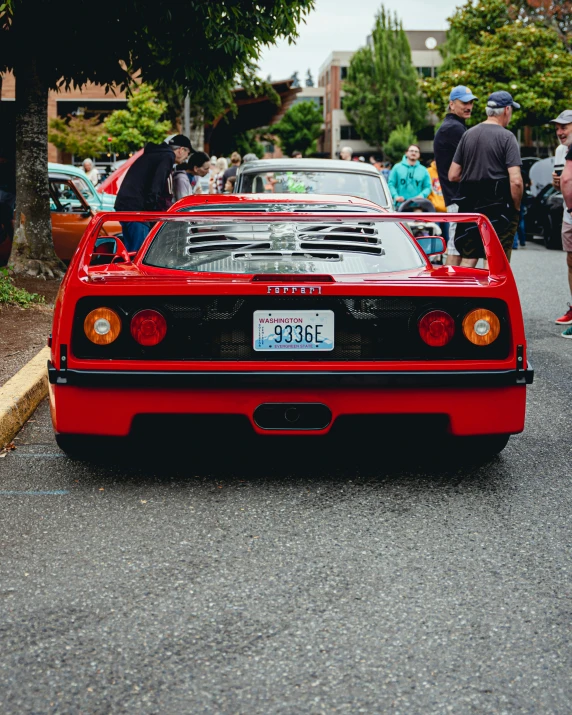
{"x":347,"y":131}
{"x":318,"y":101}
{"x":328,"y":77}
{"x":426,"y":71}
{"x":327,"y":104}
{"x":343,"y":72}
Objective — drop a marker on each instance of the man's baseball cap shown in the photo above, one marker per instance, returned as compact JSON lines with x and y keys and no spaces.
{"x":180,"y":140}
{"x":501,"y":99}
{"x":462,"y":93}
{"x":564,"y":117}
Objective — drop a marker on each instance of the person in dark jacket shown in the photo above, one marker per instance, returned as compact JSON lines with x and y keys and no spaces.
{"x":447,"y":139}
{"x":147,"y":185}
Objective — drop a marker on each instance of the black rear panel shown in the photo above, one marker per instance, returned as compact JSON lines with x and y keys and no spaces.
{"x":221,"y":328}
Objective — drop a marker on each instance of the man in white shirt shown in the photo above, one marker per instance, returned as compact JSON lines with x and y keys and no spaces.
{"x":563,"y":124}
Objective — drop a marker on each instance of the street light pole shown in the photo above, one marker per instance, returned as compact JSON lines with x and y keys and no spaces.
{"x":187,"y":116}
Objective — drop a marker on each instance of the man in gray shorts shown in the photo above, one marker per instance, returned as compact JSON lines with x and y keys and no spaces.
{"x":563,"y":124}
{"x":487,"y":163}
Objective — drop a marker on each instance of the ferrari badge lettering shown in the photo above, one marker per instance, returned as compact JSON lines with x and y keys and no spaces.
{"x":294,"y":290}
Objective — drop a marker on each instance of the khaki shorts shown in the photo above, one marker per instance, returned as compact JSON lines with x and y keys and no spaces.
{"x":567,"y":237}
{"x":504,"y":220}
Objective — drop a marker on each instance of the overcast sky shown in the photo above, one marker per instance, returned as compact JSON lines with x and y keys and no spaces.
{"x":344,"y":25}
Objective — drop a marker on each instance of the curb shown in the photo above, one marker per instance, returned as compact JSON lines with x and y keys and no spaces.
{"x":20,"y":396}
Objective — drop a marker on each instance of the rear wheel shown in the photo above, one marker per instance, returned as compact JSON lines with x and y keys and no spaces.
{"x":88,"y":447}
{"x":480,"y":448}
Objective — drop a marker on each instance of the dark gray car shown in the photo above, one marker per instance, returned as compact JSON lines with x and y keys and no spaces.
{"x":313,"y":176}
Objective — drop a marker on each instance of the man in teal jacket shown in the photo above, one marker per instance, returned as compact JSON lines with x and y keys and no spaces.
{"x":409,"y":179}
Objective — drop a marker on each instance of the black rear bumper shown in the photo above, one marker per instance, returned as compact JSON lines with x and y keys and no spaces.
{"x":291,"y":379}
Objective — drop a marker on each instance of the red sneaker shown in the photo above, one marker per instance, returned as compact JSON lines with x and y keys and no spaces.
{"x":565,"y":319}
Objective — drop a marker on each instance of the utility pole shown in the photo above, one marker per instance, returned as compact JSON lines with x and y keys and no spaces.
{"x":187,"y":116}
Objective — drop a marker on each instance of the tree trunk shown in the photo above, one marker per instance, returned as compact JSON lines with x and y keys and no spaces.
{"x":33,"y":249}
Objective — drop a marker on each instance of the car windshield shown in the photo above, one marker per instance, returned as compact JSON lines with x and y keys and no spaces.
{"x":342,"y":246}
{"x":83,"y":187}
{"x":364,"y":186}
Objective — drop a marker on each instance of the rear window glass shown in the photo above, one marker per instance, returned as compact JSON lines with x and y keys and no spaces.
{"x":364,"y":186}
{"x":348,"y":246}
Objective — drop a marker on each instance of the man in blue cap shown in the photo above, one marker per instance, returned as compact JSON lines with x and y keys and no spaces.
{"x":487,"y":165}
{"x":447,"y":139}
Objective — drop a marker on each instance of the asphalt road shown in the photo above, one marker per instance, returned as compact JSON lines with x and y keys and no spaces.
{"x":240,"y":585}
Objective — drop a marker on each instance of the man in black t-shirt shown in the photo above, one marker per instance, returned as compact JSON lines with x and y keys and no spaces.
{"x":447,"y":139}
{"x":487,"y":165}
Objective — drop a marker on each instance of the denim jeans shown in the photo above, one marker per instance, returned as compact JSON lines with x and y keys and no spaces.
{"x":134,"y":233}
{"x":520,"y":235}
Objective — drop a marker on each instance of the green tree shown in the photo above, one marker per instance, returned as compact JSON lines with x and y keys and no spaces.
{"x":469,"y":22}
{"x":398,"y":142}
{"x":299,"y":128}
{"x":131,"y":128}
{"x":381,"y":89}
{"x":247,"y":143}
{"x":554,"y":14}
{"x":205,"y":48}
{"x":77,"y":135}
{"x":530,"y":62}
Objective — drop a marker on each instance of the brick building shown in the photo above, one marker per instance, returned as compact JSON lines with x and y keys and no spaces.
{"x":89,"y":101}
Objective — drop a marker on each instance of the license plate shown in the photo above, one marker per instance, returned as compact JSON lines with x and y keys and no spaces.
{"x":300,"y":330}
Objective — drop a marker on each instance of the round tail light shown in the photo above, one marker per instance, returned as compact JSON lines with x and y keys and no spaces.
{"x":436,"y":328}
{"x":102,"y":326}
{"x":148,"y":327}
{"x":481,"y":327}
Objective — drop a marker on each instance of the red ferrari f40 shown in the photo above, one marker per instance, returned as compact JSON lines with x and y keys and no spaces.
{"x":294,"y":315}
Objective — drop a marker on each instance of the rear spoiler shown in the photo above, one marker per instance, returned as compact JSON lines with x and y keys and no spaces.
{"x":494,"y":252}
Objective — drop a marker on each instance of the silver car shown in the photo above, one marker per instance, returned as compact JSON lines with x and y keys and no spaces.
{"x":313,"y":176}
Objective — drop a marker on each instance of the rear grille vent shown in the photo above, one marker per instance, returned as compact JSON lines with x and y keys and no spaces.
{"x":221,"y":327}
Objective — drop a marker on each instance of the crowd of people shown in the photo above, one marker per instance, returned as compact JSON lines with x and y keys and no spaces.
{"x":478,"y":170}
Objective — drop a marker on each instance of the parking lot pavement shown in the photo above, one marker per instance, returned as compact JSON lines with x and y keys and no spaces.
{"x":236,"y":583}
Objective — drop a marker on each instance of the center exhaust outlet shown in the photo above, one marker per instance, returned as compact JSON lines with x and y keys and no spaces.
{"x":292,"y":416}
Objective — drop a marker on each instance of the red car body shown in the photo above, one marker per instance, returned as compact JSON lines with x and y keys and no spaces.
{"x":476,"y":391}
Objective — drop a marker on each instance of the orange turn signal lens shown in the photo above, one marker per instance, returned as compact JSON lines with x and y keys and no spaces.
{"x":102,"y":326}
{"x":481,"y":326}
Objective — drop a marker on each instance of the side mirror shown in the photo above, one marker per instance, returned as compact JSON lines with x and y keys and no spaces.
{"x":109,"y":249}
{"x":432,"y":245}
{"x":105,"y":246}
